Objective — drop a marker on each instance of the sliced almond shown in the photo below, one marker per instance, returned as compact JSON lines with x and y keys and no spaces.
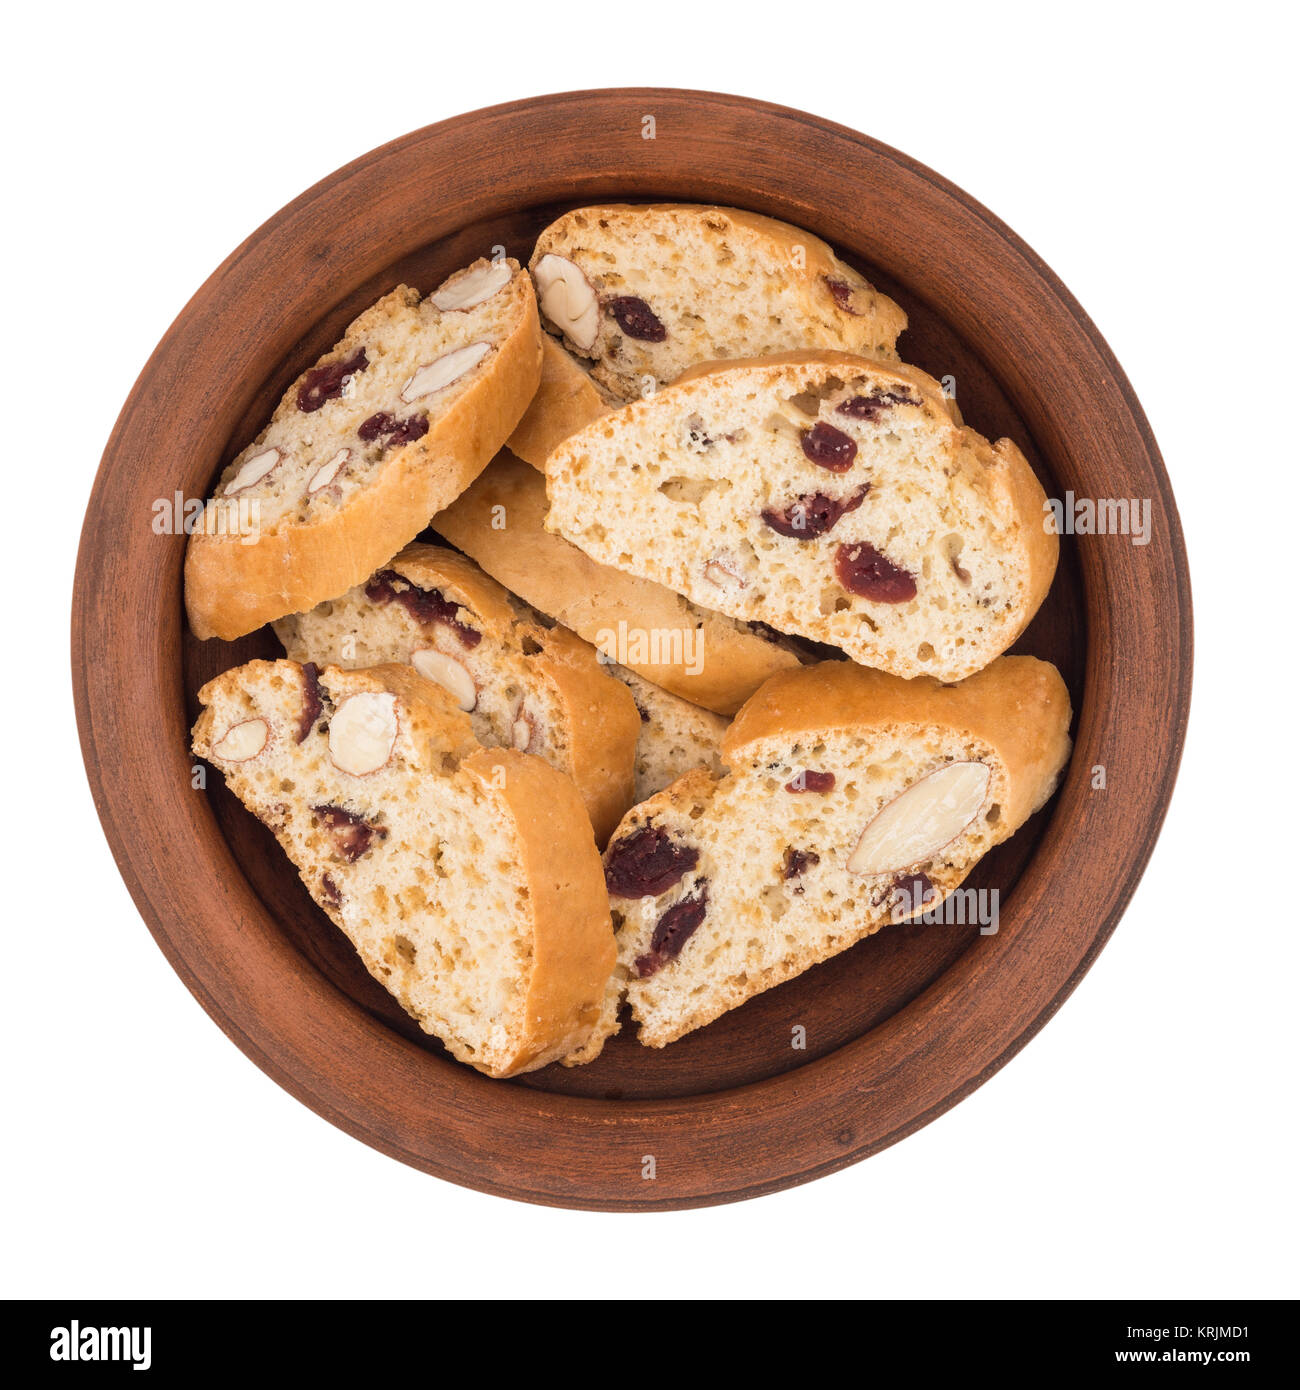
{"x":242,"y":741}
{"x":447,"y":672}
{"x":327,"y":472}
{"x":719,"y":571}
{"x":253,"y":470}
{"x":922,"y":820}
{"x":521,"y":732}
{"x":568,"y":300}
{"x":363,"y":732}
{"x":468,"y":288}
{"x":444,"y":370}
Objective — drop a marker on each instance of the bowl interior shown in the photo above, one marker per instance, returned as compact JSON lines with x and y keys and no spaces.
{"x":835,"y":1002}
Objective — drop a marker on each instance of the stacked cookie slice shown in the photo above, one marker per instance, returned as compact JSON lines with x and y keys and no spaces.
{"x":724,"y":496}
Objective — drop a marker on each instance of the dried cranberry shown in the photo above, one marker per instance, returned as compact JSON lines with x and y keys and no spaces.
{"x":424,"y":605}
{"x":829,"y":448}
{"x":864,"y":571}
{"x":874,"y":405}
{"x":672,"y":931}
{"x":330,"y":889}
{"x":311,"y":702}
{"x":353,"y":835}
{"x":911,"y":892}
{"x":813,"y":514}
{"x":642,"y":711}
{"x":409,"y":430}
{"x":376,"y":425}
{"x":796,"y":861}
{"x":646,"y":863}
{"x":636,"y":318}
{"x":812,"y":782}
{"x":325,"y":382}
{"x":842,"y":293}
{"x":394,"y":432}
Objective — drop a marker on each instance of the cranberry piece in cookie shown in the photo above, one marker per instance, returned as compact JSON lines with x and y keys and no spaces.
{"x":808,"y":781}
{"x":873,"y":405}
{"x":636,"y":318}
{"x":352,"y":835}
{"x":811,"y":515}
{"x":829,"y":448}
{"x":672,"y":931}
{"x":311,"y":701}
{"x":326,"y":382}
{"x":864,"y":571}
{"x":424,"y":605}
{"x":647,"y":862}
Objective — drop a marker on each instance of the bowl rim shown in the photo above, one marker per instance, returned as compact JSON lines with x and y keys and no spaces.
{"x":722,"y":1146}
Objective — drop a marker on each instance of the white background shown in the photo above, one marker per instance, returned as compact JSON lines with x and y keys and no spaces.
{"x":1144,"y":1143}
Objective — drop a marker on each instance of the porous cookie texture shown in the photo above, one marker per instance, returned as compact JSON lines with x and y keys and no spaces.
{"x":388,"y":427}
{"x":676,"y":736}
{"x":853,"y":799}
{"x":466,"y":878}
{"x":644,"y":292}
{"x":525,"y":683}
{"x":822,"y":494}
{"x":704,"y":657}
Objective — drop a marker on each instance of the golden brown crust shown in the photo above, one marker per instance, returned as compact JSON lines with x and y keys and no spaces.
{"x":600,"y":711}
{"x":573,"y":937}
{"x":232,"y":589}
{"x":1018,"y":705}
{"x":567,"y":399}
{"x":572,"y":943}
{"x":437,"y":567}
{"x":1027,"y":499}
{"x":591,"y":598}
{"x":901,"y":372}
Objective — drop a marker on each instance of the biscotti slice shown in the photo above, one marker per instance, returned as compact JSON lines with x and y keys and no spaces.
{"x":831,"y":497}
{"x":706,"y":658}
{"x":387,"y":428}
{"x":676,"y":736}
{"x":466,"y":878}
{"x":641,"y":293}
{"x":648,"y":291}
{"x":853,"y":799}
{"x":526,"y":686}
{"x":568,"y":398}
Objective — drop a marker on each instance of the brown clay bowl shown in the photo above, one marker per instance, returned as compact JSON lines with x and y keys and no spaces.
{"x":897,"y":1029}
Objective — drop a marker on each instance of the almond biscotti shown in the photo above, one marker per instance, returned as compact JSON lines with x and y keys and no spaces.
{"x":853,"y":799}
{"x":524,"y":685}
{"x":641,"y":293}
{"x":387,"y":428}
{"x":701,"y":656}
{"x":466,"y":878}
{"x":829,"y":496}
